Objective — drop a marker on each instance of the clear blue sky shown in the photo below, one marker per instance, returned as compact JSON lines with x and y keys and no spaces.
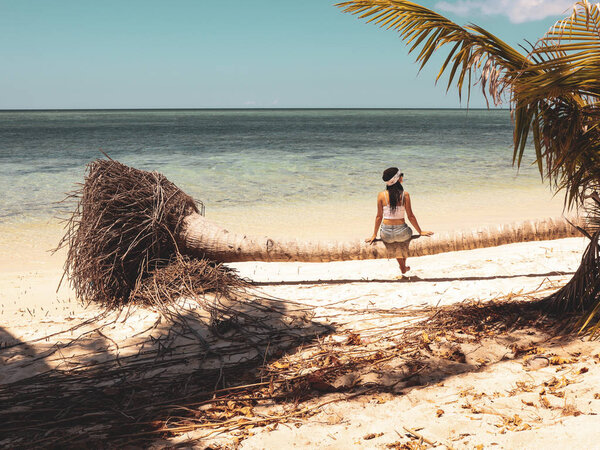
{"x":229,"y":53}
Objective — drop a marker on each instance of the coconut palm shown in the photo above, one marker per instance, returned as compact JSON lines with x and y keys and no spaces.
{"x":552,"y":89}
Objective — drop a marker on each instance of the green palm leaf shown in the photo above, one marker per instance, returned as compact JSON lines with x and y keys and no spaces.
{"x":472,"y":47}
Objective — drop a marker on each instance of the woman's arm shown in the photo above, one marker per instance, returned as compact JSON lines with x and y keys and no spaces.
{"x":412,"y":218}
{"x":378,"y":219}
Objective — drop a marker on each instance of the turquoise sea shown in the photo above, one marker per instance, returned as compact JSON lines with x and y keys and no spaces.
{"x":284,"y":172}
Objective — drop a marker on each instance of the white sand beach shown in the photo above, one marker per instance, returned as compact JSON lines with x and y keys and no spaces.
{"x":496,"y":397}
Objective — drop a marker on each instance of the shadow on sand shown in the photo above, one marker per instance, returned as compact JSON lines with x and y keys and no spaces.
{"x":407,"y":279}
{"x":106,"y":395}
{"x":195,"y":373}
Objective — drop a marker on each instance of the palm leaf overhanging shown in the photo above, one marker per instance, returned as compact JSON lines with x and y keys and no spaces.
{"x":553,"y":89}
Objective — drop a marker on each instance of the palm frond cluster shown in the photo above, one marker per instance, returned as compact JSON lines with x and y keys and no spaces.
{"x":552,"y":86}
{"x":568,"y":102}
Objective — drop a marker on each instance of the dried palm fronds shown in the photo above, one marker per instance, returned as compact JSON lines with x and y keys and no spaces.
{"x":146,"y":398}
{"x":187,"y":277}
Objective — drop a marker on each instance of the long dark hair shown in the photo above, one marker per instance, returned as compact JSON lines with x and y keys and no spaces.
{"x":395,"y":190}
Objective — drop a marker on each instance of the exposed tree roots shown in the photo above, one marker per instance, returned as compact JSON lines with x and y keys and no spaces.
{"x":121,"y":231}
{"x":581,"y":295}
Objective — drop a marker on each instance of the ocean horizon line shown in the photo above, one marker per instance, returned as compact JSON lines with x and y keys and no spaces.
{"x":16,"y":110}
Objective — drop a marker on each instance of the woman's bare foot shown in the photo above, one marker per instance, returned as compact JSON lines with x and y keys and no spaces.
{"x":403,"y":267}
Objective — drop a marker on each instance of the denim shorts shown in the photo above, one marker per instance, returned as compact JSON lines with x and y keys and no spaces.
{"x":395,"y":233}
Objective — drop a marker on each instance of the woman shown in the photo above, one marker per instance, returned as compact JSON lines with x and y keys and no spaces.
{"x":392,"y":204}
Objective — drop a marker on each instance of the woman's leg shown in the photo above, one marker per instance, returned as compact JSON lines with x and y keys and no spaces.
{"x":405,"y":236}
{"x":392,"y":234}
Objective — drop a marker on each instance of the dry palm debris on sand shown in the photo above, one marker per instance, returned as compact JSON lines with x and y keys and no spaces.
{"x":162,"y":392}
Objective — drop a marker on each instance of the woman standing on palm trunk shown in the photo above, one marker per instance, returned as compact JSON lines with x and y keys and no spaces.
{"x":392,"y":205}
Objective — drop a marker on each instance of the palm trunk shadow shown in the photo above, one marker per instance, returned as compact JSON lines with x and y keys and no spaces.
{"x":408,"y":278}
{"x":19,"y":359}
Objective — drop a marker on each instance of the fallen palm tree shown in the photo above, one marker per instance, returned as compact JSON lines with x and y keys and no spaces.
{"x":130,"y":224}
{"x":199,"y":237}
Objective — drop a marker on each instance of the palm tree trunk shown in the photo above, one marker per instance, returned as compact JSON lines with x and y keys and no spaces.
{"x":204,"y":239}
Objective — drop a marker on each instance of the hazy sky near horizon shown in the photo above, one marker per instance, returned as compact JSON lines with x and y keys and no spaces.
{"x":230,"y":53}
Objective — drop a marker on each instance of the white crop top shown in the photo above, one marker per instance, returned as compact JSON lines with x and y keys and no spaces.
{"x":398,"y":213}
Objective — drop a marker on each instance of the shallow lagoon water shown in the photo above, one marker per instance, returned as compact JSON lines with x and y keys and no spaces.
{"x":290,"y":173}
